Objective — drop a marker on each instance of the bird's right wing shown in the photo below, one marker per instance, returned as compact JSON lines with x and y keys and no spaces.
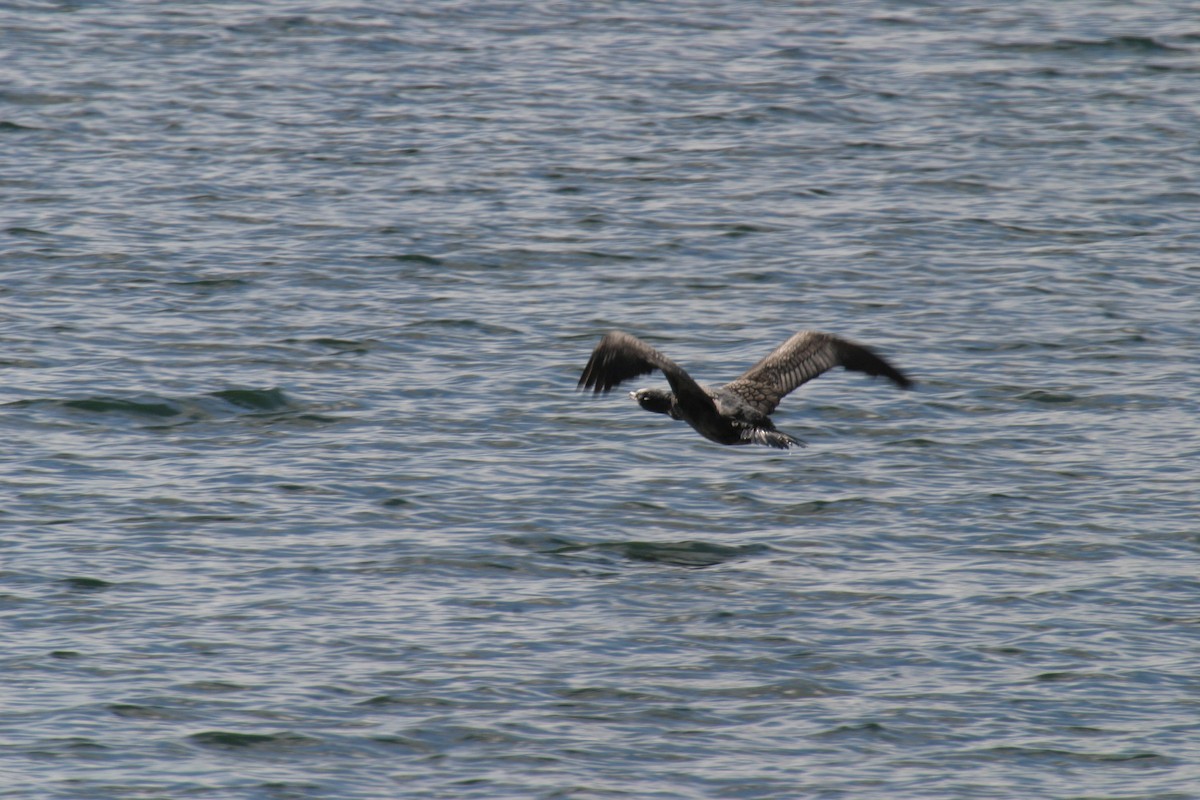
{"x":620,"y":356}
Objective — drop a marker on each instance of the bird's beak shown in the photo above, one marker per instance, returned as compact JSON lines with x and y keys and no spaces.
{"x":633,"y":395}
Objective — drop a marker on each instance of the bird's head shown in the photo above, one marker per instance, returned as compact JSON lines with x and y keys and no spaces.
{"x":656,"y":400}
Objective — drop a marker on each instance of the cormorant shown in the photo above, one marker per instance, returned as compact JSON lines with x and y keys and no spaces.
{"x":738,"y":412}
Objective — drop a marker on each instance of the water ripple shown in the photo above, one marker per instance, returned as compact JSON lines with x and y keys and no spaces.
{"x":300,"y":500}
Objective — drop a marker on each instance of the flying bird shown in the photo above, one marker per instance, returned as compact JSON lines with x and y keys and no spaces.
{"x":740,"y":411}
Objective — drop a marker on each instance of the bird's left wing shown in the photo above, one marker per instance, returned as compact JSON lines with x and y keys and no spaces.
{"x":801,"y":358}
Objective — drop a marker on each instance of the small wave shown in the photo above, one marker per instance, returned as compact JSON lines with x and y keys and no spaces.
{"x":173,"y":410}
{"x":85,"y":584}
{"x":31,"y":233}
{"x":140,"y":711}
{"x":213,"y":284}
{"x":1045,"y":396}
{"x":104,"y":405}
{"x":233,"y":740}
{"x":684,"y":554}
{"x":1133,"y":44}
{"x":413,"y":258}
{"x":1072,"y":757}
{"x":254,"y":399}
{"x":342,"y":345}
{"x":689,"y":553}
{"x":461,"y":324}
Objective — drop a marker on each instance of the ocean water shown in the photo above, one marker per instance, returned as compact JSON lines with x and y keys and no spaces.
{"x":299,"y":499}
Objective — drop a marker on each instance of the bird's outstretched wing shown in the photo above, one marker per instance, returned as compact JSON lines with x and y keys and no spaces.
{"x":802,"y":358}
{"x":620,"y":356}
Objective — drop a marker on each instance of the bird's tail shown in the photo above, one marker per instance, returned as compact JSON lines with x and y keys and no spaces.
{"x":771,"y":438}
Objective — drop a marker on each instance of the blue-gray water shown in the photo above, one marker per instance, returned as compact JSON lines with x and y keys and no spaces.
{"x":299,"y":500}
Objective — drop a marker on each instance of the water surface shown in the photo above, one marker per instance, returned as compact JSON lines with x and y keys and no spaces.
{"x":299,"y":499}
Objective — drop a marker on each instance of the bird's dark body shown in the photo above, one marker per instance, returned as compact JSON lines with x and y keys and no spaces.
{"x":724,"y":419}
{"x":737,"y":412}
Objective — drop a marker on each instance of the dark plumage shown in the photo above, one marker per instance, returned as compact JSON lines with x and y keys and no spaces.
{"x":738,"y":412}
